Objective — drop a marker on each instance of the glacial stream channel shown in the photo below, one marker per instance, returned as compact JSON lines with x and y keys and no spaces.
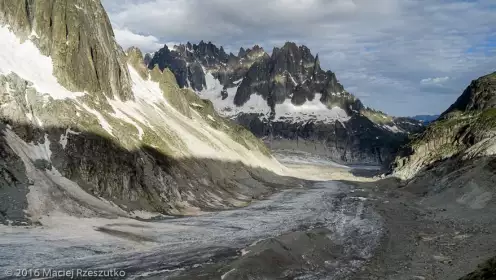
{"x":212,"y":241}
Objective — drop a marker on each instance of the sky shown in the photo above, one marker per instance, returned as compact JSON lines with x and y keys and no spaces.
{"x":404,"y":57}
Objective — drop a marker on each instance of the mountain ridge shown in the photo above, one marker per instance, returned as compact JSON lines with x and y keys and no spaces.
{"x":426,"y":119}
{"x":464,"y":132}
{"x":285,"y":97}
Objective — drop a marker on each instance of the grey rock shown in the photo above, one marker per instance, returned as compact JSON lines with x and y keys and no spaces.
{"x":13,"y":185}
{"x":485,"y":271}
{"x":357,"y":141}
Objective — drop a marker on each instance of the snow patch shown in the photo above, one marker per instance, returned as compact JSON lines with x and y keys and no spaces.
{"x":199,"y":138}
{"x":126,"y":116}
{"x":34,"y":35}
{"x":38,"y":121}
{"x":227,"y":273}
{"x":39,"y":151}
{"x":244,"y":252}
{"x":64,"y":137}
{"x":256,"y":104}
{"x":29,"y":116}
{"x":26,"y":61}
{"x":292,"y":79}
{"x":145,"y":89}
{"x":103,"y":122}
{"x":310,"y":110}
{"x":63,"y":140}
{"x":393,"y":128}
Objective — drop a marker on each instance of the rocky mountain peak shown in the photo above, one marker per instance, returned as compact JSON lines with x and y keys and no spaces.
{"x":257,"y":48}
{"x":209,"y":54}
{"x":136,"y":59}
{"x":292,"y":72}
{"x":148,"y":57}
{"x":297,"y":60}
{"x":82,"y":46}
{"x":182,"y":63}
{"x":253,"y":53}
{"x":242,"y":52}
{"x":479,"y":95}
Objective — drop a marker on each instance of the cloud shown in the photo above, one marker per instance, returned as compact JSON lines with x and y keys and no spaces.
{"x":127,"y":39}
{"x":434,"y":81}
{"x":380,"y":49}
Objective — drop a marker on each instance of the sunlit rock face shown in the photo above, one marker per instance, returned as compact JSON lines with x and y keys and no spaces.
{"x":77,"y":35}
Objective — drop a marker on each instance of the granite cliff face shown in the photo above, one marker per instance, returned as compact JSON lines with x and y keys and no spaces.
{"x":288,"y":100}
{"x":77,"y":35}
{"x":88,"y":130}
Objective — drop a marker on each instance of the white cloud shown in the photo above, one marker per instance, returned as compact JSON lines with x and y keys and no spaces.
{"x":128,"y":39}
{"x":381,"y":49}
{"x":434,"y":81}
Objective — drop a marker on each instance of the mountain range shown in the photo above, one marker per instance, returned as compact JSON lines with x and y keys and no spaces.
{"x":288,"y":100}
{"x":425,"y":119}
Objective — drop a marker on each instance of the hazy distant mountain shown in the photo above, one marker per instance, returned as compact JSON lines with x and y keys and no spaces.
{"x":426,"y":119}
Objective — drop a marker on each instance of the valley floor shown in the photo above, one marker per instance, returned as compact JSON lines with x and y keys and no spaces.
{"x":350,"y":227}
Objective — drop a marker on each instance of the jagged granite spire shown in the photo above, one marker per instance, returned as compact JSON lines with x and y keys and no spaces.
{"x":241,"y":52}
{"x":293,"y":72}
{"x":182,"y":63}
{"x":78,"y":36}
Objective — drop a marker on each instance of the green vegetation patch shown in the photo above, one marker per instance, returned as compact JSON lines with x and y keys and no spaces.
{"x":377,"y":117}
{"x":487,"y":119}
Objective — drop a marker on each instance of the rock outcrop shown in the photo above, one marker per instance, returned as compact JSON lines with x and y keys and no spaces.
{"x":485,"y":271}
